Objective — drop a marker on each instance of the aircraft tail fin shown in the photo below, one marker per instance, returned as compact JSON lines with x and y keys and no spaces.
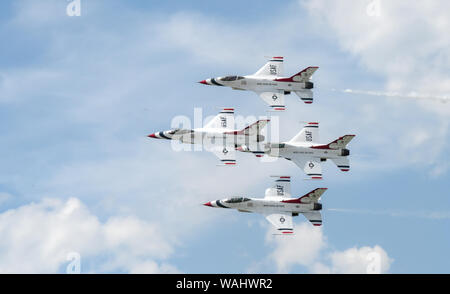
{"x":305,"y":74}
{"x":311,"y":197}
{"x":341,"y":142}
{"x":253,"y":129}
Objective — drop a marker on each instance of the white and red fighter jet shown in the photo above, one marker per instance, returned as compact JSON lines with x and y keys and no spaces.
{"x":306,"y":152}
{"x":269,"y":83}
{"x":218,"y":135}
{"x":277,"y":206}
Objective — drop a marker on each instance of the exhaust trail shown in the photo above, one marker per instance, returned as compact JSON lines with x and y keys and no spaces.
{"x":436,"y":215}
{"x":411,"y":95}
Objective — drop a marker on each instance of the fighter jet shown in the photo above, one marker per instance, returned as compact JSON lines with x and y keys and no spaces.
{"x":218,"y":136}
{"x":268,"y":82}
{"x":305,"y":151}
{"x":277,"y":206}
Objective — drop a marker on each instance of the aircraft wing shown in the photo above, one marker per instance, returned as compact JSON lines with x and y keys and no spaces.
{"x":226,"y":154}
{"x":281,"y":188}
{"x":315,"y":217}
{"x":282,"y":222}
{"x":274,"y":99}
{"x":311,"y":166}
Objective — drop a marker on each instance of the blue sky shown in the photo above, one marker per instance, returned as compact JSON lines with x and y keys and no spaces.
{"x":78,"y":95}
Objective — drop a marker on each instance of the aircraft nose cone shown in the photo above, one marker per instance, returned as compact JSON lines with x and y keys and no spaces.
{"x":203,"y":82}
{"x":208,"y":204}
{"x":152,"y":136}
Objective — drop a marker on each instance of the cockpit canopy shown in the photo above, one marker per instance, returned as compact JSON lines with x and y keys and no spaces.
{"x":237,"y":200}
{"x":179,"y":131}
{"x":231,"y":78}
{"x":173,"y":131}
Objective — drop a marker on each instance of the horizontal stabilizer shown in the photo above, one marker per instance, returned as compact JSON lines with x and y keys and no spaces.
{"x":315,"y":217}
{"x":306,"y":96}
{"x":342,"y":163}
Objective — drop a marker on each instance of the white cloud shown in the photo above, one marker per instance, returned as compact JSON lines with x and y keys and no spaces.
{"x":407,"y":43}
{"x":151,"y":267}
{"x":233,"y":46}
{"x":364,"y":260}
{"x":309,"y":249}
{"x":303,"y":248}
{"x":37,"y":238}
{"x":403,"y":62}
{"x":155,"y":183}
{"x":12,"y":84}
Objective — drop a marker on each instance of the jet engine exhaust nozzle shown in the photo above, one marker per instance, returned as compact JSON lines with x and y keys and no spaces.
{"x":345,"y":152}
{"x":260,"y":138}
{"x":317,"y":206}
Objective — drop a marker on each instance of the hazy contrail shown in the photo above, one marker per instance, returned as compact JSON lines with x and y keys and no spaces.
{"x":422,"y":214}
{"x":411,"y":95}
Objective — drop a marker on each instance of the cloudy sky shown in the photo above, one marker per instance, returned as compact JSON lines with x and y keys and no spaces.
{"x":79,"y":177}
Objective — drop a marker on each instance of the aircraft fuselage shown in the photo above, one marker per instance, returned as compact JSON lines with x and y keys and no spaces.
{"x":211,"y":136}
{"x":288,"y":150}
{"x":264,"y":205}
{"x":260,"y":84}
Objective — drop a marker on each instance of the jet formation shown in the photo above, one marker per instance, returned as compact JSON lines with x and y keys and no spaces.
{"x":220,"y":137}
